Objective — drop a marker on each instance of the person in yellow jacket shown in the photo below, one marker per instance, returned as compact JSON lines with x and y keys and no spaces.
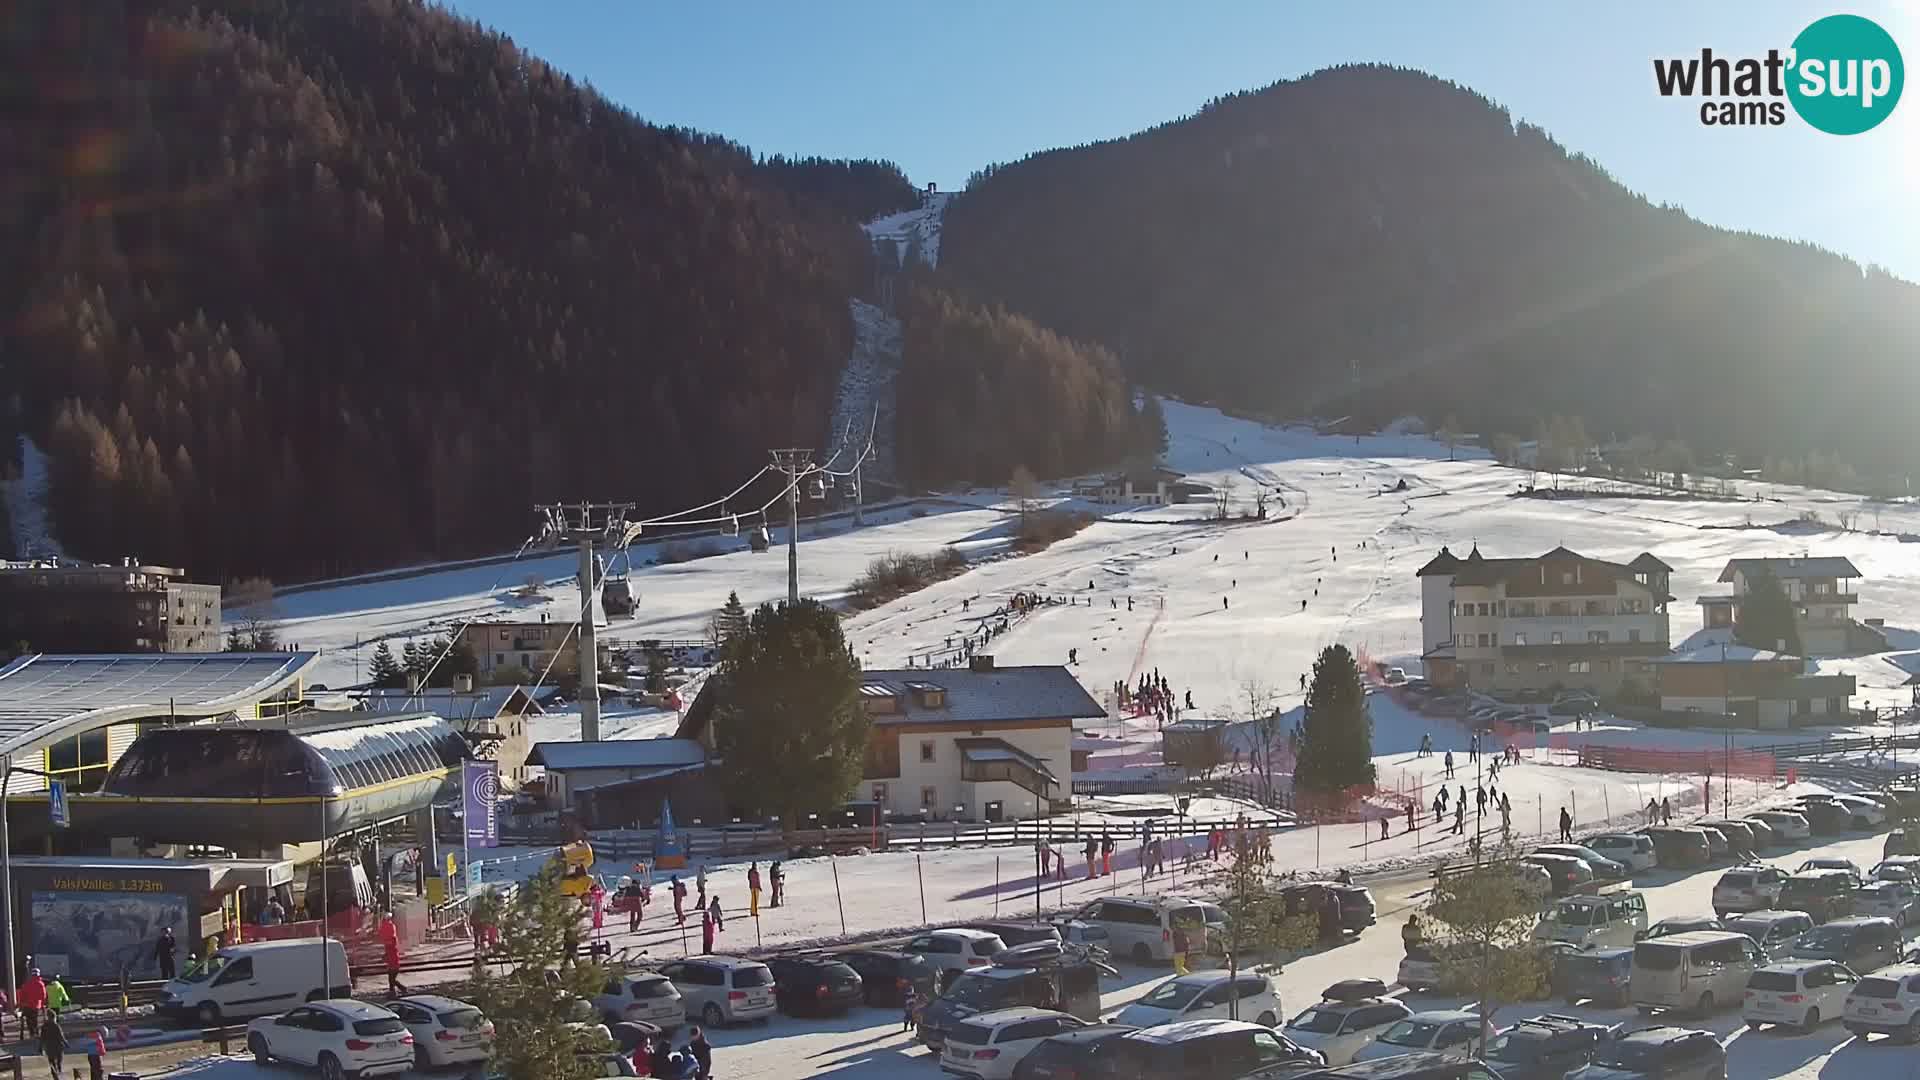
{"x":58,"y":1000}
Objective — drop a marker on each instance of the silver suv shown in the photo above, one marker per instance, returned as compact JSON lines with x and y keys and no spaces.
{"x":1751,"y":887}
{"x":723,"y":989}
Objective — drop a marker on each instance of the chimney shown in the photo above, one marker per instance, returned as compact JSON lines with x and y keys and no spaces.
{"x":413,"y":682}
{"x":980,"y":662}
{"x":463,"y":683}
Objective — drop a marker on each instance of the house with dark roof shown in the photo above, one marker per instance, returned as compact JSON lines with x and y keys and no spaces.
{"x":619,"y":782}
{"x":1820,"y":588}
{"x":1151,"y":486}
{"x":1759,"y":687}
{"x":1558,"y":620}
{"x":493,"y":718}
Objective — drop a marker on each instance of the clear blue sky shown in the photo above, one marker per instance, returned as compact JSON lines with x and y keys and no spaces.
{"x":944,"y":90}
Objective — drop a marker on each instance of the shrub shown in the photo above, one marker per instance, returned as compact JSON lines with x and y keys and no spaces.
{"x":1040,"y":529}
{"x":896,"y":574}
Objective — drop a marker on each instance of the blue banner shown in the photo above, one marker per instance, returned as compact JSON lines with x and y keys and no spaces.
{"x":480,"y":795}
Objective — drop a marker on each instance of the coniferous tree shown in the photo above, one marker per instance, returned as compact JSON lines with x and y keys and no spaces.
{"x":790,"y":726}
{"x":1766,"y":615}
{"x":383,"y":672}
{"x":1336,"y":734}
{"x":733,"y":619}
{"x":410,"y":662}
{"x":530,"y":991}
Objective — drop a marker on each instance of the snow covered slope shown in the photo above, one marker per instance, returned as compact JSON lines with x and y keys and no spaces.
{"x":27,"y":506}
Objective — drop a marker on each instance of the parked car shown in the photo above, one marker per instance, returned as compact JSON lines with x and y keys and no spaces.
{"x":1017,"y":977}
{"x":1604,"y":869}
{"x":1636,"y":850}
{"x":1419,"y":968}
{"x":1087,"y":1053}
{"x":1830,"y":862}
{"x":643,"y":995}
{"x":1752,"y":887}
{"x":954,"y":950}
{"x":1763,"y":834}
{"x":1825,"y":818}
{"x":256,"y":978}
{"x":1702,"y":970}
{"x":1602,"y":975}
{"x":1427,"y":1066}
{"x":1016,"y":932}
{"x":1776,"y":931}
{"x":1886,"y":1002}
{"x":1206,"y":995}
{"x":1718,"y":846}
{"x":1892,"y":899}
{"x":1675,"y":846}
{"x":1823,"y":894}
{"x":1356,"y":901}
{"x":1141,"y":928}
{"x":1863,"y":944}
{"x":1657,"y":1053}
{"x":339,"y":1036}
{"x":1797,"y":993}
{"x":1444,"y":1031}
{"x":1680,"y":924}
{"x":1786,"y":824}
{"x":1612,"y":918}
{"x":1546,"y":1047}
{"x":1210,"y":1050}
{"x":1901,"y":842}
{"x":1864,"y":813}
{"x":723,"y":990}
{"x":1739,"y":834}
{"x":1396,"y":676}
{"x":989,"y":1046}
{"x":1897,"y":868}
{"x":885,"y":974}
{"x":1353,"y":1016}
{"x":817,"y":985}
{"x":1566,"y":873}
{"x":445,"y":1031}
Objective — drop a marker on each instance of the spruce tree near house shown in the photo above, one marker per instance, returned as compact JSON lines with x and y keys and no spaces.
{"x":530,"y":1012}
{"x":1336,"y":734}
{"x":385,"y":673}
{"x":1766,"y":615}
{"x":789,"y":731}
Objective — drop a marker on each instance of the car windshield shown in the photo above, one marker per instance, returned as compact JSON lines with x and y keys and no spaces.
{"x":462,"y":1019}
{"x":1753,"y":928}
{"x":979,"y":991}
{"x":1573,"y":915}
{"x":200,"y":972}
{"x":1410,"y":1033}
{"x":1317,"y":1020}
{"x":1513,"y":1048}
{"x":1627,"y":1055}
{"x":383,"y":1025}
{"x":1172,"y":995}
{"x":1824,"y":937}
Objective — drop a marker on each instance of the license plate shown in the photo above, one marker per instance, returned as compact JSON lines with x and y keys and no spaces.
{"x":756,"y":1001}
{"x":960,"y":1055}
{"x":1870,"y":1010}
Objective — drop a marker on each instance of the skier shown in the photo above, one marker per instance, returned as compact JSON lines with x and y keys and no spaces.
{"x":1460,"y":817}
{"x":1244,"y":555}
{"x":1480,"y":801}
{"x":1666,"y":811}
{"x":713,"y":906}
{"x":679,"y":890}
{"x":1653,"y":810}
{"x":1106,"y":853}
{"x":1303,"y":680}
{"x":1092,"y":849}
{"x":1216,"y":557}
{"x":1439,"y":807}
{"x":1566,"y":826}
{"x":1129,"y":603}
{"x":1383,"y":828}
{"x":1446,"y":765}
{"x":1409,"y":817}
{"x":1506,"y":815}
{"x":700,"y":882}
{"x":1073,"y":656}
{"x":163,"y":952}
{"x":753,"y":889}
{"x":706,"y":931}
{"x":778,"y":876}
{"x":1303,"y":602}
{"x":1223,"y":603}
{"x":1189,"y":699}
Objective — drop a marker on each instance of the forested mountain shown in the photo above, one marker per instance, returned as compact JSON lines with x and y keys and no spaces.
{"x":1375,"y":241}
{"x":303,"y":287}
{"x":982,"y":392}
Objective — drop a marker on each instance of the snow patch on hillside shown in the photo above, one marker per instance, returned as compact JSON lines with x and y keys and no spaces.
{"x":26,"y":498}
{"x":915,"y":231}
{"x":866,"y":392}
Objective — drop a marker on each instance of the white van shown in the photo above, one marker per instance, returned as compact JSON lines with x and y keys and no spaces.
{"x":1140,"y":928}
{"x":1700,"y":970}
{"x":1594,"y":919}
{"x":259,"y":979}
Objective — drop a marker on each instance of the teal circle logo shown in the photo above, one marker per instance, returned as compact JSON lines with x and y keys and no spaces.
{"x":1846,"y":75}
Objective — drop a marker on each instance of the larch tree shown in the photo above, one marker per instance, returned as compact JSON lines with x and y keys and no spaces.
{"x":1480,"y":922}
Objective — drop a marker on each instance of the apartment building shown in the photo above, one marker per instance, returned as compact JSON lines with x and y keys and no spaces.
{"x":525,"y":646}
{"x":1821,"y":590}
{"x":61,"y":606}
{"x":1558,"y":620}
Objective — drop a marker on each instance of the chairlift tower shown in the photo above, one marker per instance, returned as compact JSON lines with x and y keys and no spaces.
{"x":794,"y":464}
{"x":587,"y":526}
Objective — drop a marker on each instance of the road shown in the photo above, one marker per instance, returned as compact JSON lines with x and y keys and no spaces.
{"x":869,"y":1044}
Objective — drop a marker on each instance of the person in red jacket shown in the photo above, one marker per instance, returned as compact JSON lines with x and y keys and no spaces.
{"x":390,"y":949}
{"x":33,"y":998}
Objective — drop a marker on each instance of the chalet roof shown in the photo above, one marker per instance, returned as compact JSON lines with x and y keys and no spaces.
{"x":1819,"y":566}
{"x":1039,"y":692}
{"x":617,"y":754}
{"x":1646,"y":563}
{"x":1734,"y":654}
{"x":1478,"y":570}
{"x":1444,"y":563}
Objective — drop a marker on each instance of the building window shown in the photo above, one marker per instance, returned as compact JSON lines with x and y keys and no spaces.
{"x":1566,"y":577}
{"x":1821,"y":588}
{"x":929,"y":797}
{"x":1513,"y":669}
{"x":498,"y":660}
{"x":1633,"y":635}
{"x":503,"y":635}
{"x":926,"y":749}
{"x":1542,"y":666}
{"x":1486,"y":669}
{"x":1578,"y":667}
{"x":1559,"y":607}
{"x":1523,"y":609}
{"x":1606,"y":667}
{"x":1556,"y":637}
{"x":1483,"y":641}
{"x":1597,"y":637}
{"x":1519,"y":639}
{"x":1465,"y":640}
{"x":880,"y":794}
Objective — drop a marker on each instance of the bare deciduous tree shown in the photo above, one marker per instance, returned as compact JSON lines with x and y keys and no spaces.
{"x":1266,"y":731}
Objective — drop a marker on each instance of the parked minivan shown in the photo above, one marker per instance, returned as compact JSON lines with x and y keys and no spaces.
{"x":1140,"y":928}
{"x":258,"y":979}
{"x":1594,"y":919}
{"x":1701,"y":970}
{"x":1676,"y":846}
{"x":1823,"y":894}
